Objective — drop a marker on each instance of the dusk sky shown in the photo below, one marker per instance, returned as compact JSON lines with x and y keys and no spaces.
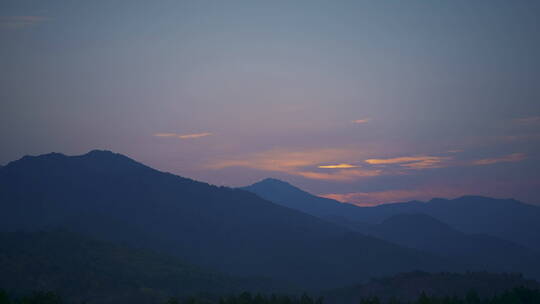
{"x":363,"y":101}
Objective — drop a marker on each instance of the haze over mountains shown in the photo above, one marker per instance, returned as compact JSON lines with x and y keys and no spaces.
{"x":112,"y":197}
{"x":505,"y":218}
{"x":284,"y":237}
{"x":490,"y":234}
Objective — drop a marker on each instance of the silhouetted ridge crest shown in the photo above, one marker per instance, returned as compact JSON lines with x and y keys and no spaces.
{"x":110,"y":196}
{"x":274,"y":182}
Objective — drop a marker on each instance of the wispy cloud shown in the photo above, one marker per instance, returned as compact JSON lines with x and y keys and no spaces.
{"x":166,"y":135}
{"x":16,"y":22}
{"x":338,"y":166}
{"x":183,"y":136}
{"x":411,"y":162}
{"x":361,"y":121}
{"x":341,"y":175}
{"x":514,"y":157}
{"x":531,"y":120}
{"x":302,"y":163}
{"x":195,"y":135}
{"x":331,"y":164}
{"x":519,"y":137}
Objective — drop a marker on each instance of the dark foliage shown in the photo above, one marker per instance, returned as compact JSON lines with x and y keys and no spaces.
{"x":519,"y":295}
{"x":410,"y":286}
{"x":516,"y":295}
{"x":83,"y":269}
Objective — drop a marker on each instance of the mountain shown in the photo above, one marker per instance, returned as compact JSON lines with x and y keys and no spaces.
{"x":480,"y":251}
{"x":409,"y":286}
{"x":287,"y":195}
{"x":82,"y":269}
{"x":112,"y":197}
{"x":415,"y":230}
{"x":503,"y":218}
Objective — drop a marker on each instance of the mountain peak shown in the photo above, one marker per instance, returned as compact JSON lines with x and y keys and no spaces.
{"x":98,"y":152}
{"x":31,"y":158}
{"x":95,"y":159}
{"x":274,"y":181}
{"x":273,"y":184}
{"x":52,"y":155}
{"x":105,"y":155}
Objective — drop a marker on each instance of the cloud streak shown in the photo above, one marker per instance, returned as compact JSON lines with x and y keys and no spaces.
{"x":338,"y":166}
{"x":412,"y":162}
{"x":532,"y":120}
{"x":16,"y":22}
{"x":341,"y":175}
{"x":361,"y":121}
{"x":511,"y":158}
{"x":302,"y":163}
{"x":183,"y":136}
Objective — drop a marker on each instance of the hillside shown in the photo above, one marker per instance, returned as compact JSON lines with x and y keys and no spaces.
{"x":83,"y":269}
{"x":113,"y":197}
{"x":417,"y":225}
{"x":503,"y":218}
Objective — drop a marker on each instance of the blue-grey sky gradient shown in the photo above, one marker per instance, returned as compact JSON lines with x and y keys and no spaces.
{"x":230,"y":92}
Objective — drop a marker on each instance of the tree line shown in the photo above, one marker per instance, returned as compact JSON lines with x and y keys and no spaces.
{"x":519,"y":295}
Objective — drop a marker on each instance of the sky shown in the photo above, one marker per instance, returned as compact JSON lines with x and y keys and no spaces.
{"x":366,"y":102}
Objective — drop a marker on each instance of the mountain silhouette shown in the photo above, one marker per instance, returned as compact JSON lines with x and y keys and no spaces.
{"x":285,"y":194}
{"x":480,"y":251}
{"x":504,"y":218}
{"x":112,"y":197}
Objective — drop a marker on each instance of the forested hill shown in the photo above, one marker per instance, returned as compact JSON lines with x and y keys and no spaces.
{"x":80,"y":269}
{"x":410,"y":286}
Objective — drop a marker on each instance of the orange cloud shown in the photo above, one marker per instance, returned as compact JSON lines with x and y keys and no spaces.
{"x":515,"y":157}
{"x":300,"y":162}
{"x":196,"y":135}
{"x":411,"y":162}
{"x":361,"y":121}
{"x":183,"y":136}
{"x":338,"y":166}
{"x":341,"y":175}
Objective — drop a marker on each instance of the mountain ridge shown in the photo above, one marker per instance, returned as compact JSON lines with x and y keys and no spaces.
{"x":102,"y":192}
{"x":505,"y":218}
{"x":426,"y":226}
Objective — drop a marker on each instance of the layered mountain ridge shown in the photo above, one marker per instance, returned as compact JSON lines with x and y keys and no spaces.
{"x":112,"y":197}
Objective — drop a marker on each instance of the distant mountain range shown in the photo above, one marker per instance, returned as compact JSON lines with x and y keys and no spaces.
{"x":112,"y":197}
{"x":498,"y":235}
